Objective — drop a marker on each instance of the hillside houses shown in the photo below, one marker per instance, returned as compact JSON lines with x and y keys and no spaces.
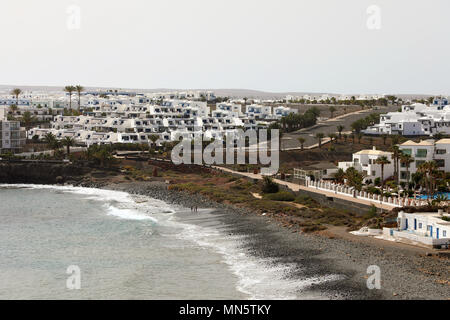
{"x":415,"y":120}
{"x":126,"y":119}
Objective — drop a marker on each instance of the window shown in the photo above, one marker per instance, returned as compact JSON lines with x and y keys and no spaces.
{"x":440,"y":163}
{"x":420,"y":225}
{"x":444,"y":233}
{"x":407,"y":151}
{"x":419,"y":162}
{"x":441,"y":151}
{"x":421,"y":153}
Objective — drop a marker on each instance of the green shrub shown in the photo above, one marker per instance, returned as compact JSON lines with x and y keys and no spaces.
{"x":269,"y":186}
{"x":371,"y":213}
{"x":306,"y":200}
{"x":377,"y":182}
{"x":280,"y":196}
{"x":373,"y":190}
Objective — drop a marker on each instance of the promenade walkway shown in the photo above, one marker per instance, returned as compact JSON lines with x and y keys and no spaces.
{"x":296,"y":187}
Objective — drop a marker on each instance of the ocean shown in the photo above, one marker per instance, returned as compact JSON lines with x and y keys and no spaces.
{"x":129,"y":247}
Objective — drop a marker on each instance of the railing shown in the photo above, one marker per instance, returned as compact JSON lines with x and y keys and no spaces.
{"x":364,"y":195}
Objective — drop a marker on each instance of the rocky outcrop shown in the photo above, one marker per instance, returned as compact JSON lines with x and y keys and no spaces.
{"x":40,"y":172}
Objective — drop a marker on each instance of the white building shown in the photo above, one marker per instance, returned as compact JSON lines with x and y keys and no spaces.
{"x":365,"y":162}
{"x":415,"y":120}
{"x":232,"y":109}
{"x":119,"y":120}
{"x":426,"y":150}
{"x":12,"y":136}
{"x":279,"y":112}
{"x":423,"y":228}
{"x":256,"y":111}
{"x":3,"y":113}
{"x":420,"y":152}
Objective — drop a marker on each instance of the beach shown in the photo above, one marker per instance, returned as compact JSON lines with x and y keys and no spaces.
{"x":406,"y":272}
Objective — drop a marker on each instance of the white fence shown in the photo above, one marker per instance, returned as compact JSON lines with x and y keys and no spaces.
{"x":363,"y":195}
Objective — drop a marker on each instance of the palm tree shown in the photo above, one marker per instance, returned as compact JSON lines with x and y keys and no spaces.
{"x":69,"y":90}
{"x":332,"y":137}
{"x":27,"y":119}
{"x":395,"y":140}
{"x":79,"y":89}
{"x":320,"y":136}
{"x":406,"y":160}
{"x":50,"y":140}
{"x":382,"y":160}
{"x":396,"y":156}
{"x":352,"y":136}
{"x":429,"y":171}
{"x":153,"y":138}
{"x":340,"y":128}
{"x":13,"y":108}
{"x":339,"y":176}
{"x":359,"y":137}
{"x":68,"y":142}
{"x":16,"y":92}
{"x":332,"y":109}
{"x":384,"y":137}
{"x":302,"y":142}
{"x":354,"y":178}
{"x":345,"y":137}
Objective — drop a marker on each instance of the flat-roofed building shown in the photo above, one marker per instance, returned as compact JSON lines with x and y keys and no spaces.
{"x":423,"y":228}
{"x":365,"y":161}
{"x":12,"y":136}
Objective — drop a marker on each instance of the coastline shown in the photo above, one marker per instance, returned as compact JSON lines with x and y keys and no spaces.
{"x":316,"y":254}
{"x":313,"y":254}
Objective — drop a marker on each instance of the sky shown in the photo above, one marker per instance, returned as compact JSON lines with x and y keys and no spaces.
{"x":336,"y":46}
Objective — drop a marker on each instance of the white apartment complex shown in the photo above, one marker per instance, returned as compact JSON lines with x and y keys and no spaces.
{"x":365,"y":161}
{"x":426,"y":150}
{"x":12,"y":136}
{"x":123,"y":119}
{"x":120,"y":116}
{"x":415,"y":120}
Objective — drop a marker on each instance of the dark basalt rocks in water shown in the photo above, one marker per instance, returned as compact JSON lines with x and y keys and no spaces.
{"x":40,"y":172}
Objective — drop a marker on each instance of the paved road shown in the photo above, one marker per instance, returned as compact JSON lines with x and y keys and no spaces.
{"x":289,"y":140}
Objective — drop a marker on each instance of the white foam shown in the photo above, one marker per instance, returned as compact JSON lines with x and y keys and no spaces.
{"x":119,"y":204}
{"x":128,"y":214}
{"x":258,"y":278}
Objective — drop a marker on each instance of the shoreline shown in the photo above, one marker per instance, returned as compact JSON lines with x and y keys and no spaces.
{"x":406,"y":273}
{"x":320,"y":254}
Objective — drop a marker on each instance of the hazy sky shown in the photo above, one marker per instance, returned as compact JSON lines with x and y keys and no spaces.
{"x":278,"y":45}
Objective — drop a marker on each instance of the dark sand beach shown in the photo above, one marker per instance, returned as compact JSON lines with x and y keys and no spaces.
{"x":406,"y":272}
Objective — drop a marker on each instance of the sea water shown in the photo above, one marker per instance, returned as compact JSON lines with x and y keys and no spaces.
{"x":126,"y":247}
